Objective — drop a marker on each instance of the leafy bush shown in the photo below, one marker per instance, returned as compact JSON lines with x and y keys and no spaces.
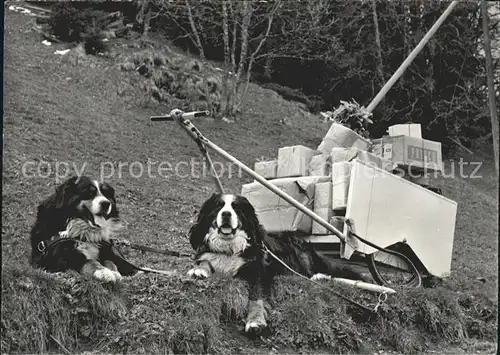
{"x":93,"y":43}
{"x":74,"y":23}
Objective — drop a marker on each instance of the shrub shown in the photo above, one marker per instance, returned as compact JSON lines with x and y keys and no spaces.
{"x":73,"y":23}
{"x":93,"y":43}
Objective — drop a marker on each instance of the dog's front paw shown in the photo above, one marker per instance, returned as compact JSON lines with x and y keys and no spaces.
{"x":105,"y":275}
{"x":63,"y":234}
{"x":255,"y":326}
{"x":117,"y":274}
{"x":320,"y":276}
{"x":199,"y":273}
{"x":256,"y":319}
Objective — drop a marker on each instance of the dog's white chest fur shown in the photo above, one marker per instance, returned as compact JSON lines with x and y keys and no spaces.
{"x":219,"y":244}
{"x":224,"y":255}
{"x":223,"y":264}
{"x":84,"y":230}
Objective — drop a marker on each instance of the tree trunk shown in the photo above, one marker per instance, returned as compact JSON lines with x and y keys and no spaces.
{"x":268,"y":67}
{"x":491,"y":85}
{"x":234,"y":16}
{"x":255,"y":52}
{"x":380,"y":69}
{"x":147,"y":19}
{"x":247,"y":15}
{"x":225,"y":86}
{"x":144,"y":17}
{"x":196,"y":35}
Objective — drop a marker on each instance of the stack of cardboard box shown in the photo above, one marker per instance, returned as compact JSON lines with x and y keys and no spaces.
{"x":319,"y":178}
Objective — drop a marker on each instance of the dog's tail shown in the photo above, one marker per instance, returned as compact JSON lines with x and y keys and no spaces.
{"x":336,"y":268}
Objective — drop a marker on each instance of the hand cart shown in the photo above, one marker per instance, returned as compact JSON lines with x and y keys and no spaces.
{"x":407,"y":274}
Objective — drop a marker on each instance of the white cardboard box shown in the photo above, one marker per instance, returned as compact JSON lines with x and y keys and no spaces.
{"x":267,"y":169}
{"x":293,"y":161}
{"x":341,"y":172}
{"x":343,"y":154}
{"x":277,"y":215}
{"x":322,"y":205}
{"x":341,"y":136}
{"x":409,"y":151}
{"x":319,"y":165}
{"x":410,"y":129}
{"x":423,"y":219}
{"x":376,"y":161}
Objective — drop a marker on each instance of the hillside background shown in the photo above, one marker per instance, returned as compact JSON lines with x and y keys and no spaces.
{"x":84,"y":109}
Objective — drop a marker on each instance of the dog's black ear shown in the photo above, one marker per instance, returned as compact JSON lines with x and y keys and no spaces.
{"x":51,"y":216}
{"x":109,"y":192}
{"x":64,"y":192}
{"x":205,"y":217}
{"x":209,"y":206}
{"x":249,"y":220}
{"x":196,"y":235}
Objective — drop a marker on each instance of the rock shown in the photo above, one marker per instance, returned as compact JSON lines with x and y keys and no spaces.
{"x":194,"y":65}
{"x":128,"y":66}
{"x":144,"y":70}
{"x":156,"y":93}
{"x":213,"y":84}
{"x":80,"y":51}
{"x":108,"y":34}
{"x":76,"y":55}
{"x":124,"y":88}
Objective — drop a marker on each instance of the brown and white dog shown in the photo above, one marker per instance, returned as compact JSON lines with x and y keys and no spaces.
{"x":229,"y":240}
{"x":73,"y":230}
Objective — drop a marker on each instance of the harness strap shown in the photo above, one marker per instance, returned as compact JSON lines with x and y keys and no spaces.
{"x":45,"y":244}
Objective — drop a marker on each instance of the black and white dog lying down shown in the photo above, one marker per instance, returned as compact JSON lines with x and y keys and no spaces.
{"x":73,"y":230}
{"x":228,"y":239}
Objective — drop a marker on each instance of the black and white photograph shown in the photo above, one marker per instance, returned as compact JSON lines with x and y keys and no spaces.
{"x":250,"y":177}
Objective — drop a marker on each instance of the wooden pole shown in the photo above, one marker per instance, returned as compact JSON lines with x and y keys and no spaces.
{"x":491,"y":87}
{"x":278,"y":192}
{"x":410,"y":58}
{"x":365,"y":285}
{"x":181,"y":118}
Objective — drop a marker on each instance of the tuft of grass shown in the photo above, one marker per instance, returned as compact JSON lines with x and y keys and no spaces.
{"x":43,"y":312}
{"x":314,"y":318}
{"x":152,"y":313}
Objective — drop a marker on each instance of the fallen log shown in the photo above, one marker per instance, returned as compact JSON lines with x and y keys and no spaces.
{"x":121,"y":31}
{"x":115,"y":24}
{"x":29,"y":6}
{"x":110,"y":15}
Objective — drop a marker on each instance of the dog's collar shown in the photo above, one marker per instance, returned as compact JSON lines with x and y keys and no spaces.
{"x":44,"y":244}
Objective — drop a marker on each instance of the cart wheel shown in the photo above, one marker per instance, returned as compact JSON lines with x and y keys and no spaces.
{"x":393,"y":269}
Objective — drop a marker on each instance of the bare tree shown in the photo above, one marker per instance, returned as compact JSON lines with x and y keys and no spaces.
{"x":254,"y":54}
{"x":225,"y":35}
{"x":237,"y":76}
{"x":380,"y":69}
{"x":144,"y":16}
{"x":196,"y":35}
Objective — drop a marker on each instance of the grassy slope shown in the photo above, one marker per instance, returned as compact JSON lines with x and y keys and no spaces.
{"x":56,"y":112}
